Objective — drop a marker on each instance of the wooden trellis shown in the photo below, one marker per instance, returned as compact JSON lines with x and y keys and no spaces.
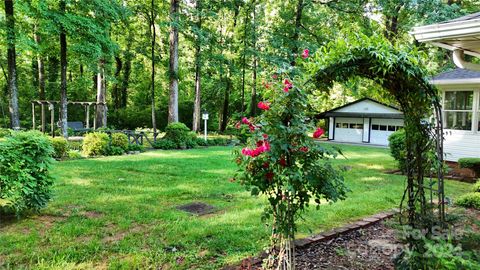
{"x":50,"y":105}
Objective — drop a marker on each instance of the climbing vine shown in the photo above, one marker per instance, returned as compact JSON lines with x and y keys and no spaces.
{"x":398,"y":70}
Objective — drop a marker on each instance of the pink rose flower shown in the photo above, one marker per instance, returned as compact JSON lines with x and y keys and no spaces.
{"x":319,"y":132}
{"x":305,"y":53}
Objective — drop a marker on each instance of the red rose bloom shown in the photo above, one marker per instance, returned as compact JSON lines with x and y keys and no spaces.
{"x":305,"y":53}
{"x":304,"y":149}
{"x":287,"y":85}
{"x":319,"y":132}
{"x":245,"y":121}
{"x":264,"y":105}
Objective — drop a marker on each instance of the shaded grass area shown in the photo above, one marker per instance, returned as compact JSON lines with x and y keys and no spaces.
{"x":121,"y":212}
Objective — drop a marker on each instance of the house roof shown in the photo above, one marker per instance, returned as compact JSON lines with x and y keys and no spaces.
{"x":457,"y":76}
{"x":341,"y":112}
{"x":461,"y":33}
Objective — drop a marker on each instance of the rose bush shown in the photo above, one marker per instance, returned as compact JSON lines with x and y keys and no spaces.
{"x":283,"y":163}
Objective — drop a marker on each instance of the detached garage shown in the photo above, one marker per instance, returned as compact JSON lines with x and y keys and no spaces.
{"x":363,"y":121}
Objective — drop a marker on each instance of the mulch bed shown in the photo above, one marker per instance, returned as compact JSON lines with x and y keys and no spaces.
{"x":373,"y":247}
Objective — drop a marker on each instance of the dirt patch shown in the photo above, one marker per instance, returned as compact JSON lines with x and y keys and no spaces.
{"x":92,"y":214}
{"x":120,"y":235}
{"x":197,"y":208}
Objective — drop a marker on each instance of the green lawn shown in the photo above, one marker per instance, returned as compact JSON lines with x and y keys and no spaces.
{"x":120,"y":212}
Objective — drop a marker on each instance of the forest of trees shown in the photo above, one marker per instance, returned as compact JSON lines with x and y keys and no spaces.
{"x":158,"y":61}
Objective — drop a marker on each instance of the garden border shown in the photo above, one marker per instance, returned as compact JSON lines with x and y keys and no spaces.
{"x":321,"y":237}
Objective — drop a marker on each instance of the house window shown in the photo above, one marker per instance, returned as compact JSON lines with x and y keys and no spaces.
{"x":458,"y":110}
{"x":375,"y":127}
{"x":391,"y":128}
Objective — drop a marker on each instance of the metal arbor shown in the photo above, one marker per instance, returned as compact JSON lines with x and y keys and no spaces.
{"x":398,"y":73}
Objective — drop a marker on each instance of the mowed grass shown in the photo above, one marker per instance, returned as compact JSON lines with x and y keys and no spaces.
{"x":120,"y":212}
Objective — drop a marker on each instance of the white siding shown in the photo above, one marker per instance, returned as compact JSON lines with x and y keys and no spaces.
{"x":366,"y":130}
{"x":331,"y":127}
{"x":459,"y":143}
{"x":367,"y":106}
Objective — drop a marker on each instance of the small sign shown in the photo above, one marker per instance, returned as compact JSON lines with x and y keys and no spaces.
{"x":205,"y":116}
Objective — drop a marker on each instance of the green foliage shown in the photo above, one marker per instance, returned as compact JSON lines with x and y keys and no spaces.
{"x":180,"y":134}
{"x":398,"y":149}
{"x":438,"y":254}
{"x":4,"y":132}
{"x":74,"y":154}
{"x":25,"y":182}
{"x":201,"y":141}
{"x":476,"y":187}
{"x":60,"y":146}
{"x":114,"y":151}
{"x":471,"y":163}
{"x":75,"y":145}
{"x":119,"y":140}
{"x":284,"y":164}
{"x":135,"y":147}
{"x":95,"y":144}
{"x":165,"y":144}
{"x":469,"y":200}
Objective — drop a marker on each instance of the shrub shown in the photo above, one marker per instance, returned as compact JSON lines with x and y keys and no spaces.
{"x":178,"y":133}
{"x":95,"y":144}
{"x":472,"y":164}
{"x":74,"y":154}
{"x":114,"y":151}
{"x":165,"y":144}
{"x":201,"y":142}
{"x":120,"y":140}
{"x":25,"y":182}
{"x":191,"y":141}
{"x":75,"y":145}
{"x":476,"y":186}
{"x":60,"y":147}
{"x":4,"y":132}
{"x":397,"y":145}
{"x":135,"y":147}
{"x":469,"y":200}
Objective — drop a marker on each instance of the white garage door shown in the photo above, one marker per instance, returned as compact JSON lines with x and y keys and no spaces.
{"x":348,"y":129}
{"x":382,"y":129}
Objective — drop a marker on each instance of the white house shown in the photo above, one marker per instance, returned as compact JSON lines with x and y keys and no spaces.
{"x":363,"y":121}
{"x":460,"y":87}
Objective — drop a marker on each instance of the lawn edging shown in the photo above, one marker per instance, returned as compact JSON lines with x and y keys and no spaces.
{"x":321,"y":237}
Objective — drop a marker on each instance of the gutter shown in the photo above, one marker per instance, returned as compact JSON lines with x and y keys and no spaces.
{"x":459,"y":60}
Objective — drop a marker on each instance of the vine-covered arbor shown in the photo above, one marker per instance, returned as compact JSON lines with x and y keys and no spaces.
{"x":398,"y":71}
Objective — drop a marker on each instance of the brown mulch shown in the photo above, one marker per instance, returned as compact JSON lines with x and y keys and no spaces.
{"x":371,"y":248}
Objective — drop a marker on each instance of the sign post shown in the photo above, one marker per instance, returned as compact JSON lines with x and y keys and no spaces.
{"x":205,"y":118}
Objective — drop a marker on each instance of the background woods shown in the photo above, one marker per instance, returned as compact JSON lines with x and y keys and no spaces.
{"x":158,"y":61}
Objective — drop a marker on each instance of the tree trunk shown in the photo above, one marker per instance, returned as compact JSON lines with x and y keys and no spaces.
{"x":12,"y":65}
{"x":226,"y":104}
{"x":173,"y":65}
{"x":101,"y":114}
{"x":126,"y":78}
{"x":154,"y":37}
{"x":116,"y":95}
{"x":63,"y":75}
{"x":253,"y":104}
{"x":296,"y":33}
{"x":244,"y":62}
{"x":197,"y":106}
{"x":41,"y":75}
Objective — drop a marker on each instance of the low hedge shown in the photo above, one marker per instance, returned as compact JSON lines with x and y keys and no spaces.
{"x":60,"y":147}
{"x":470,"y":200}
{"x":398,"y":147}
{"x":25,"y":181}
{"x":96,"y":144}
{"x":119,"y":140}
{"x":470,"y":163}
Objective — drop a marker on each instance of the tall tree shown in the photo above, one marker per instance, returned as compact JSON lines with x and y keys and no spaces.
{"x":12,"y":65}
{"x":173,"y":64}
{"x":41,"y":73}
{"x":63,"y":75}
{"x":153,"y":31}
{"x":197,"y":105}
{"x":253,"y":102}
{"x":101,"y":112}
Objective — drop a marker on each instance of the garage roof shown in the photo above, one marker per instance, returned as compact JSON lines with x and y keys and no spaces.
{"x":364,"y":108}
